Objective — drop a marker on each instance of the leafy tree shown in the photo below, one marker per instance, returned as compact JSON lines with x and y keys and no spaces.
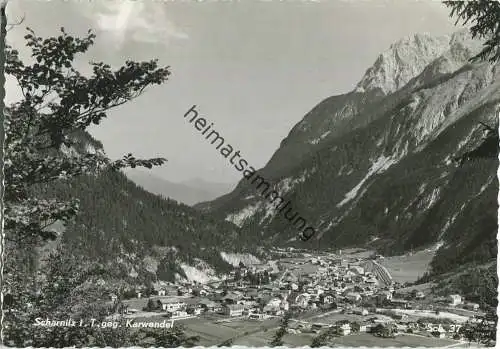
{"x":484,"y":15}
{"x":129,"y":294}
{"x":59,"y":102}
{"x":322,"y":298}
{"x":355,"y":326}
{"x":378,"y":330}
{"x":150,"y":290}
{"x":151,"y":305}
{"x":69,"y":288}
{"x":277,"y":340}
{"x":483,"y":330}
{"x":42,"y":149}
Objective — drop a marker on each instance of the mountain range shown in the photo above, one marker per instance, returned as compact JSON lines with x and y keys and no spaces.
{"x":188,"y":192}
{"x":377,"y":166}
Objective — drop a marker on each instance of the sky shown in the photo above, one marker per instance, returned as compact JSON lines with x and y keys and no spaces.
{"x":253,"y":68}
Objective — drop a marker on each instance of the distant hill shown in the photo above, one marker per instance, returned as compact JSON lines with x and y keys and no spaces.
{"x":189,"y":192}
{"x":213,"y":187}
{"x":139,"y":237}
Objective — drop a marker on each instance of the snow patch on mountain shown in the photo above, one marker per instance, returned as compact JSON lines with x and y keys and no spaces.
{"x":431,"y":199}
{"x":201,"y":275}
{"x":270,"y":210}
{"x":378,"y":166}
{"x":448,"y":223}
{"x":235,"y":258}
{"x":484,"y":186}
{"x":285,"y":185}
{"x":150,"y":264}
{"x":317,"y":140}
{"x":240,"y":217}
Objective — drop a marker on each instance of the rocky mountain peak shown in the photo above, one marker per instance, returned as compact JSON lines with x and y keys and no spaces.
{"x":409,"y":56}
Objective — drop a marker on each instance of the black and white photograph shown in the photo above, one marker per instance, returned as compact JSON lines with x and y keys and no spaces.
{"x":252,"y":173}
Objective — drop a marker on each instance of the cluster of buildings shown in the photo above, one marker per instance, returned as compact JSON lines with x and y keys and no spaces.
{"x":350,"y":286}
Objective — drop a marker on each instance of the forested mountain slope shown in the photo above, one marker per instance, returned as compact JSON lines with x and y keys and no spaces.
{"x":139,"y":236}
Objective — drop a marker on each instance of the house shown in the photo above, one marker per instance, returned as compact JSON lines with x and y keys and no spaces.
{"x":231,"y":298}
{"x":302,"y":300}
{"x":283,"y":294}
{"x":364,"y":327}
{"x":172,"y":305}
{"x":113,"y":297}
{"x":193,"y":306}
{"x":273,"y":305}
{"x":162,"y":292}
{"x":251,"y":294}
{"x":209,"y":306}
{"x":455,"y":299}
{"x":356,"y":269}
{"x":328,"y":299}
{"x":368,"y":292}
{"x":402,"y":327}
{"x":233,"y":310}
{"x":471,"y":306}
{"x":358,"y":289}
{"x":360,"y":311}
{"x":400,"y":303}
{"x":400,"y":316}
{"x":384,"y":295}
{"x":345,"y":329}
{"x":419,"y":295}
{"x":315,"y":328}
{"x":256,"y":316}
{"x":358,"y":278}
{"x":199,"y":291}
{"x":284,"y":305}
{"x":176,"y":314}
{"x":195,"y":310}
{"x":292,"y":298}
{"x":311,"y":304}
{"x":353,"y":296}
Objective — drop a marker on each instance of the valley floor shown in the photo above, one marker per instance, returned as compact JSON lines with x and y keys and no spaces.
{"x":407,"y":312}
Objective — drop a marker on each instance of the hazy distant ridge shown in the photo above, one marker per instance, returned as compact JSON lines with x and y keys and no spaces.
{"x":189,"y":192}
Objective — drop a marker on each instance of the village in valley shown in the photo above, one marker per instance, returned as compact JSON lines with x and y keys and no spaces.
{"x":352,"y":292}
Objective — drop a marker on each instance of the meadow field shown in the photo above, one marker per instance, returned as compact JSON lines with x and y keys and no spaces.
{"x":403,"y":340}
{"x":408,"y":268}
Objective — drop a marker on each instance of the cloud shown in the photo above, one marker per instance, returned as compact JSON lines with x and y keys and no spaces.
{"x":137,"y":21}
